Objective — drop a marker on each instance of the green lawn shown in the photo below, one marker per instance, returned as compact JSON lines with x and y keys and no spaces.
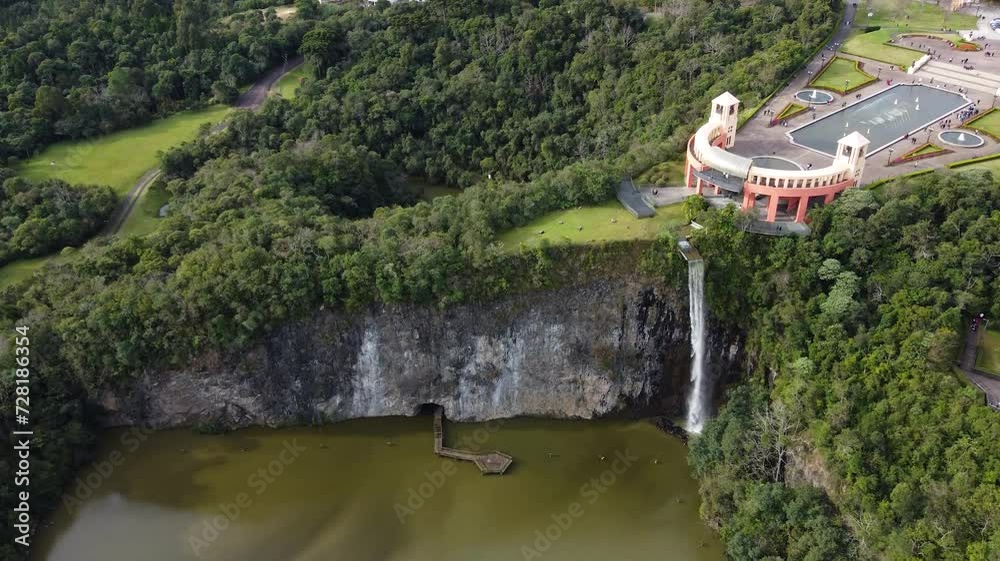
{"x":896,"y":17}
{"x":289,"y":83}
{"x":145,"y":216}
{"x":120,"y":158}
{"x":989,"y":352}
{"x":912,"y":16}
{"x":841,"y":75}
{"x":23,"y":268}
{"x":564,"y":226}
{"x":665,"y":173}
{"x":991,"y":165}
{"x":873,"y":46}
{"x":988,"y":122}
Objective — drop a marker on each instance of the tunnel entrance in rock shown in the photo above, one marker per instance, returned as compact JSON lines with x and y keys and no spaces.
{"x":427,"y":408}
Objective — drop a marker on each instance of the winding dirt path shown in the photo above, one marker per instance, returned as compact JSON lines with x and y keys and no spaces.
{"x":251,"y":99}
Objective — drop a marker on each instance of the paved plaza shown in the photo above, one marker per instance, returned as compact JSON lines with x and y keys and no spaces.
{"x":977,"y":78}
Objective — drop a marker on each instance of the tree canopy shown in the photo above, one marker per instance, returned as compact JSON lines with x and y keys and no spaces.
{"x":854,"y":333}
{"x":72,"y":68}
{"x":533,"y":106}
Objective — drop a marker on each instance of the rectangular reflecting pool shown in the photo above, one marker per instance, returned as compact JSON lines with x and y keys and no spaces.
{"x":883,"y":118}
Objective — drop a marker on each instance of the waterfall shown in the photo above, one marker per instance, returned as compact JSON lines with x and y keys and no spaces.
{"x":698,"y":400}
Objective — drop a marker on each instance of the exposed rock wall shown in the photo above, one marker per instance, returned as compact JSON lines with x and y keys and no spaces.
{"x":600,"y":349}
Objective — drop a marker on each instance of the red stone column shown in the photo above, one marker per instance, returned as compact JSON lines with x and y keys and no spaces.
{"x":748,"y":200}
{"x":698,"y":185}
{"x":772,"y":207}
{"x":718,"y":190}
{"x":829,"y":198}
{"x":689,"y":175}
{"x":800,"y":213}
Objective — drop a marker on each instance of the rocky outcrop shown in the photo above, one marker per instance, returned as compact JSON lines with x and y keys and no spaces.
{"x":601,"y":349}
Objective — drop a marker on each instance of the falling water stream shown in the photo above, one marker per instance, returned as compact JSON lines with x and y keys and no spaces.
{"x":698,"y":400}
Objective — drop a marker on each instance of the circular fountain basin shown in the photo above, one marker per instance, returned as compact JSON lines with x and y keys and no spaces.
{"x":775,"y":162}
{"x":962,"y":139}
{"x":815,"y":97}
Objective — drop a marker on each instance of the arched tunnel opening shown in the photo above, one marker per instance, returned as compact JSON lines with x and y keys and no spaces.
{"x":427,"y":408}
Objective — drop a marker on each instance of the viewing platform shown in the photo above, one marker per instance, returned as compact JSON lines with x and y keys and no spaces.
{"x":489,"y":463}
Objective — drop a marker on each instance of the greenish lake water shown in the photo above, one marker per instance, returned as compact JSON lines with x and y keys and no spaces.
{"x":373,"y":490}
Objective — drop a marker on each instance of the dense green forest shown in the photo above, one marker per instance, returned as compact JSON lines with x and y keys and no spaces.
{"x":72,"y":68}
{"x":854,"y":332}
{"x":304,"y":204}
{"x":38,"y":218}
{"x":457,"y":92}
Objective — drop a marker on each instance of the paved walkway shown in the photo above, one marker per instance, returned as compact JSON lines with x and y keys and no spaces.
{"x":756,"y":138}
{"x":663,"y":196}
{"x":986,"y":13}
{"x":989,"y":385}
{"x":252,"y":99}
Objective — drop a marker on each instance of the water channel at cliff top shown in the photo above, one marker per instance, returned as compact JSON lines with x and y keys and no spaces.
{"x":337,"y":500}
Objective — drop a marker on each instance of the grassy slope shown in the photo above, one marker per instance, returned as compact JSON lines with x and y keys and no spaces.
{"x":289,"y":83}
{"x":989,"y":356}
{"x":664,"y":173}
{"x":596,"y":223}
{"x":838,"y":72}
{"x":120,"y":158}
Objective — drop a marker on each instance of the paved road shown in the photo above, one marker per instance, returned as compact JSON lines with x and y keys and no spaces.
{"x":990,"y":385}
{"x":128,"y":205}
{"x":252,"y":99}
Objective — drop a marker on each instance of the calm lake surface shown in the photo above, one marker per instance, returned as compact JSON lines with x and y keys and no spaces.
{"x":373,"y":490}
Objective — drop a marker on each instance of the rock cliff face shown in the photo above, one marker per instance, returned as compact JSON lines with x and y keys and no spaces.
{"x":601,"y":349}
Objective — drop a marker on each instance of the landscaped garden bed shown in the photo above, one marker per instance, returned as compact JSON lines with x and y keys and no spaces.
{"x":790,"y":110}
{"x":954,"y":41}
{"x":842,"y":76}
{"x":922,"y":152}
